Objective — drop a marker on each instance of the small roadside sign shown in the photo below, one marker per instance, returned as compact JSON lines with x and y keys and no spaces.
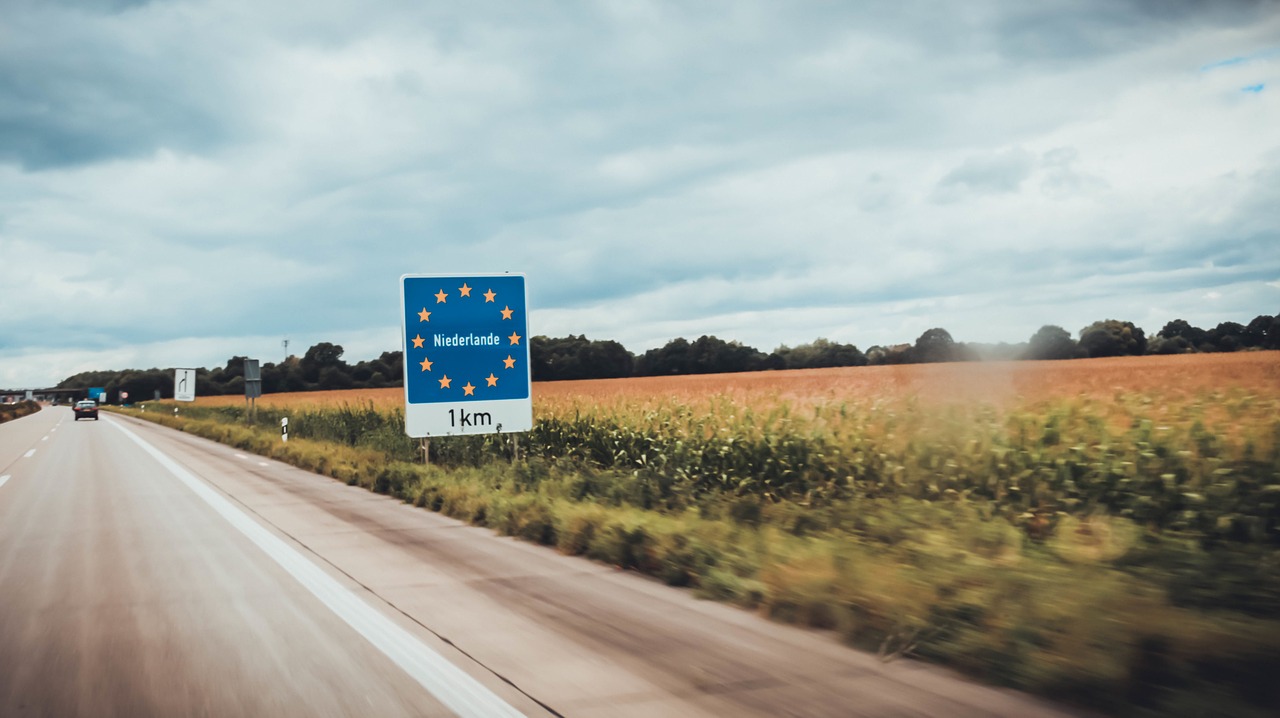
{"x":466,"y":354}
{"x":252,"y":379}
{"x":184,"y":384}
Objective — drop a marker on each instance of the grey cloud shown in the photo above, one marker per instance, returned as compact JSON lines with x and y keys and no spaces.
{"x":998,"y":172}
{"x":1061,"y":178}
{"x":76,"y":89}
{"x":1071,"y":30}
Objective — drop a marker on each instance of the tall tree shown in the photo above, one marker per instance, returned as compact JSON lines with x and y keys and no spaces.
{"x":935,"y":345}
{"x":1112,"y":337}
{"x":1181,"y":328}
{"x":576,"y":357}
{"x":319,"y":357}
{"x":1227,"y":336}
{"x":705,"y":355}
{"x":819,"y":353}
{"x":1052,"y":342}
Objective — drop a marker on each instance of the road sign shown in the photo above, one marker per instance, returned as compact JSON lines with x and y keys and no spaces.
{"x":252,"y":379}
{"x":184,"y":384}
{"x":466,"y":356}
{"x":98,"y":394}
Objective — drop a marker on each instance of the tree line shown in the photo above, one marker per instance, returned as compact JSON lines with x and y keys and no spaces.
{"x":320,"y":368}
{"x":576,"y":357}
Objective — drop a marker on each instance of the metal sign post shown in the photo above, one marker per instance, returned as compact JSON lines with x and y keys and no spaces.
{"x":466,"y":354}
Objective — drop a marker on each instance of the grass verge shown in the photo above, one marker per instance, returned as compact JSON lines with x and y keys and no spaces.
{"x":1100,"y":612}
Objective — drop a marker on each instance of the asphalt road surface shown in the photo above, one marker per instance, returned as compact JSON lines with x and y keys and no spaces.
{"x":144,"y":572}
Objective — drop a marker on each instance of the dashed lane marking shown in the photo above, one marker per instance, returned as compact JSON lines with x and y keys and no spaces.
{"x":29,"y":454}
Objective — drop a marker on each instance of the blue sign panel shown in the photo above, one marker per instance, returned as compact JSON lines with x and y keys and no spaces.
{"x":466,"y":359}
{"x":99,"y":393}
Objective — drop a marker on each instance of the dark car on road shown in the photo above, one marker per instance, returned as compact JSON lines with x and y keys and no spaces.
{"x":86,"y":410}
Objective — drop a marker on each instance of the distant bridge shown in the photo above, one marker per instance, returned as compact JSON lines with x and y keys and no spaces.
{"x":14,"y":395}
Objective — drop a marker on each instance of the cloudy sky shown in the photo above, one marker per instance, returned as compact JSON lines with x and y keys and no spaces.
{"x":183,"y":181}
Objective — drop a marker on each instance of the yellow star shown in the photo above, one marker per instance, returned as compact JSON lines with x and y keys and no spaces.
{"x":441,"y":296}
{"x":424,"y":315}
{"x":468,"y":390}
{"x":506,"y":313}
{"x":417,"y":342}
{"x":493,"y":380}
{"x":509,"y":362}
{"x":489,"y":295}
{"x":515,"y":338}
{"x":444,"y":382}
{"x":426,"y":364}
{"x":464,"y":290}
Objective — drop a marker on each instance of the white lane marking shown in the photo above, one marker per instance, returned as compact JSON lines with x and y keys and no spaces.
{"x":263,"y":463}
{"x":241,"y":456}
{"x":46,"y":438}
{"x":3,"y":479}
{"x":461,"y":693}
{"x":29,"y":454}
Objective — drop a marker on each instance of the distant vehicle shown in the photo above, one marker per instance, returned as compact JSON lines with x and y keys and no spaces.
{"x":87,"y":409}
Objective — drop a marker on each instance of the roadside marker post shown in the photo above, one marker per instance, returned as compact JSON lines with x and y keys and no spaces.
{"x":284,"y":429}
{"x":466,"y":354}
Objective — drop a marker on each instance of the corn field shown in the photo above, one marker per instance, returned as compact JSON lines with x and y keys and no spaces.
{"x":1102,"y":532}
{"x":1207,"y":463}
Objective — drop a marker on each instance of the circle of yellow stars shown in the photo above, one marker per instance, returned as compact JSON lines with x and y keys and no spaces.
{"x":424,"y":316}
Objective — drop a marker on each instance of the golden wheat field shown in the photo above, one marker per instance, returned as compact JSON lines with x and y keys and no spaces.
{"x":1169,"y":377}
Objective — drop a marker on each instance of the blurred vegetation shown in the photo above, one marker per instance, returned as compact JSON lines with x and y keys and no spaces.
{"x":9,"y":412}
{"x":1123,"y":555}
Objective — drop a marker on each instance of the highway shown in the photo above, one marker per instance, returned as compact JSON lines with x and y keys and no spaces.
{"x":145,"y":572}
